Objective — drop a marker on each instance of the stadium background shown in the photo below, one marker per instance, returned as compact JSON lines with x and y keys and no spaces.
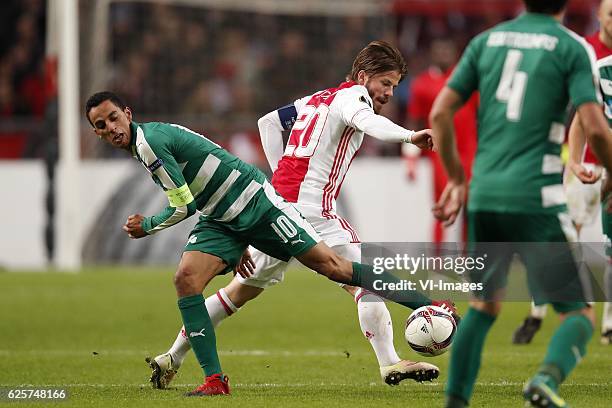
{"x":214,"y":66}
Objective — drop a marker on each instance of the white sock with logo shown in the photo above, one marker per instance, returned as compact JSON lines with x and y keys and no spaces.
{"x":219,"y":307}
{"x":376,"y":325}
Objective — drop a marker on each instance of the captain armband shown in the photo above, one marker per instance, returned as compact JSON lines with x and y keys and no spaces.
{"x":179,"y":197}
{"x":287,"y":116}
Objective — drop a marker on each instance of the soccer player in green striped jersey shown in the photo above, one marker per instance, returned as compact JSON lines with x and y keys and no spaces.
{"x":526,"y":71}
{"x":238,"y":207}
{"x":576,"y":147}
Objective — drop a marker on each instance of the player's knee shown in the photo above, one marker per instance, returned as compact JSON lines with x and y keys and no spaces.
{"x":587,"y":311}
{"x":184,"y":281}
{"x":490,"y":308}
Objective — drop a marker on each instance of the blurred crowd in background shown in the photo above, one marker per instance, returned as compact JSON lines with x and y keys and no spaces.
{"x":22,"y":75}
{"x":218,"y":71}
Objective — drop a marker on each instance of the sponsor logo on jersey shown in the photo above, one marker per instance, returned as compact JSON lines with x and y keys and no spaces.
{"x":155,"y":165}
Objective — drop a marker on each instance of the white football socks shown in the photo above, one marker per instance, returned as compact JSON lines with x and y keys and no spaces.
{"x":219,"y":307}
{"x":179,"y":349}
{"x":606,"y":320}
{"x":539,"y":312}
{"x":376,"y":325}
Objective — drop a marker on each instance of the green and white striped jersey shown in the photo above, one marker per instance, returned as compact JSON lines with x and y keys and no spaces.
{"x":526,"y":70}
{"x":194,"y":172}
{"x":605,"y":72}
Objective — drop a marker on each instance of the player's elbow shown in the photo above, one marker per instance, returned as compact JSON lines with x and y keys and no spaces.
{"x":439,"y":116}
{"x":597,"y":134}
{"x":185,"y":211}
{"x":263,"y":123}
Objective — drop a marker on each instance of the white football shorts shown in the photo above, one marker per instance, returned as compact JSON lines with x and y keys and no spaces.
{"x":270,"y":271}
{"x":583,"y":202}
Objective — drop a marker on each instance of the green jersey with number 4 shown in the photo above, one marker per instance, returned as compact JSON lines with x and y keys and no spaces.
{"x":526,"y":70}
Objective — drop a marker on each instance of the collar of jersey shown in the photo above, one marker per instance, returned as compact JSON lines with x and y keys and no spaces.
{"x":538,"y":16}
{"x":133,"y":130}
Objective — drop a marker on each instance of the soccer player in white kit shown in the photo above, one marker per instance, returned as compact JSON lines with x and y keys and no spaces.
{"x":327,"y":129}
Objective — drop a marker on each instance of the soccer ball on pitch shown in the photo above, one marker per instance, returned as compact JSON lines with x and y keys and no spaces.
{"x":430,"y":330}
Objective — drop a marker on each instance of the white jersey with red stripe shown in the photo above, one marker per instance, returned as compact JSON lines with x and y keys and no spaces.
{"x":322,"y":144}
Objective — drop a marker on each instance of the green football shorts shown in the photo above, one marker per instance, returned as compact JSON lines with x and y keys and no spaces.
{"x":268,"y":222}
{"x":541,"y":241}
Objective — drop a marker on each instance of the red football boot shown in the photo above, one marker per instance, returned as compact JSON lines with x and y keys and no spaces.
{"x":216,"y":384}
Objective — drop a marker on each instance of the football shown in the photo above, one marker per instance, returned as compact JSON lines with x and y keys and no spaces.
{"x":430,"y":330}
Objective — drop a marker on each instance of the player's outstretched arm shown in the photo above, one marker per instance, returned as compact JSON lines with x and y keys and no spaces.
{"x":576,"y":142}
{"x":384,"y":129}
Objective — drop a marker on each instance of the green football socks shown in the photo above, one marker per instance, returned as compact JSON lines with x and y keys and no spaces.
{"x":465,"y":356}
{"x":566,"y":349}
{"x":364,"y":277}
{"x":200,"y":332}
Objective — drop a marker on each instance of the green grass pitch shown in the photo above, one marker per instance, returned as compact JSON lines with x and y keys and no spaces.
{"x":299,"y":344}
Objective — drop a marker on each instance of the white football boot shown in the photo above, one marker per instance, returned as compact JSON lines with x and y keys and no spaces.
{"x":404,"y":369}
{"x":163,"y":370}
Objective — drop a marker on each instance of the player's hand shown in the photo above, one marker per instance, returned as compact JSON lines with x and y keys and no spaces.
{"x":423,"y":139}
{"x":583,"y":174}
{"x":450,"y":203}
{"x":246,"y":266}
{"x":606,"y":194}
{"x":133,"y":226}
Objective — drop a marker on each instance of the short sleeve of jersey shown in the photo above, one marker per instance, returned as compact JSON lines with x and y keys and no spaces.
{"x":583,"y":74}
{"x":352,"y":101}
{"x":464,"y":79}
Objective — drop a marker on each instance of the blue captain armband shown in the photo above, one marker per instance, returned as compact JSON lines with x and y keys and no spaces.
{"x":287,"y":115}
